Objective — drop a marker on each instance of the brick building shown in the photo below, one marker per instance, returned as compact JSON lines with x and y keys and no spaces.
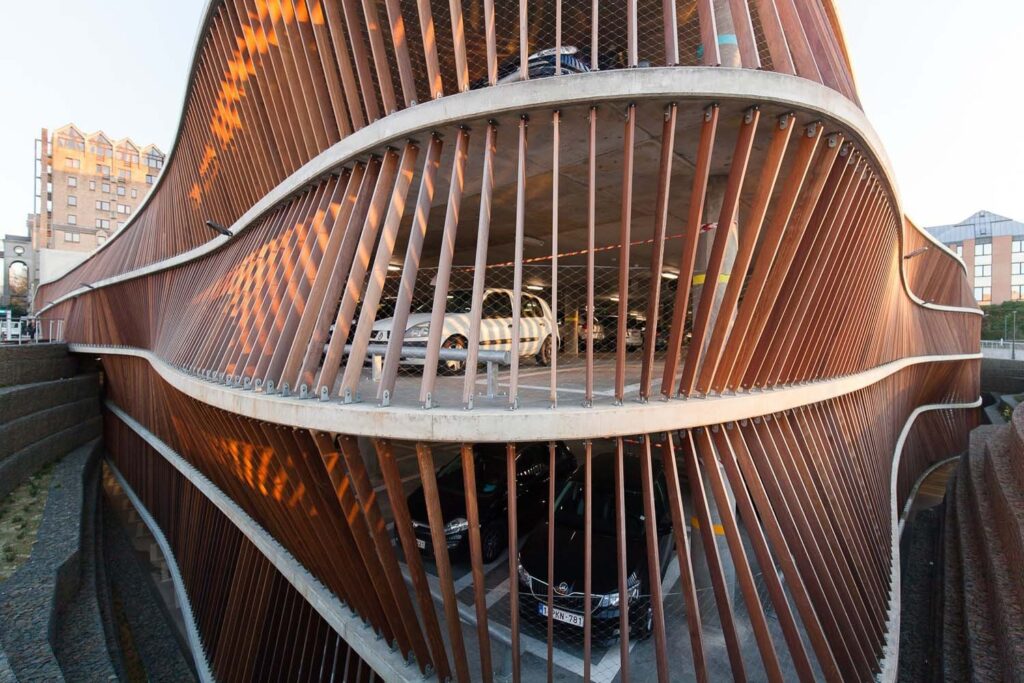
{"x":89,"y":185}
{"x":992,"y":247}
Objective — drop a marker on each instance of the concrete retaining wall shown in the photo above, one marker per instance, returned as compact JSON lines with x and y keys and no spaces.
{"x":33,"y":601}
{"x":31,"y":363}
{"x":1002,"y":376}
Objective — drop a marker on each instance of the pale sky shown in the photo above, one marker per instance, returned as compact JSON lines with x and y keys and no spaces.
{"x":941,"y":81}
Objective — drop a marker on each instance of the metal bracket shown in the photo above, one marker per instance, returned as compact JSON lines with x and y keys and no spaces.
{"x":269,"y":387}
{"x":285,"y":390}
{"x":325,"y":395}
{"x":428,"y":402}
{"x":303,"y":391}
{"x":385,"y":398}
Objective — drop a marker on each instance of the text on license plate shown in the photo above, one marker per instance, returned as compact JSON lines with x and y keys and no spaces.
{"x":420,"y":543}
{"x":560,"y":615}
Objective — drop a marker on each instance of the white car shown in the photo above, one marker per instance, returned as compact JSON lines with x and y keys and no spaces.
{"x":495,"y":326}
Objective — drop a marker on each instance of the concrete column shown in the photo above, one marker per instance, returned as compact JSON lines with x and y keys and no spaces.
{"x":712,"y":210}
{"x":728,"y":48}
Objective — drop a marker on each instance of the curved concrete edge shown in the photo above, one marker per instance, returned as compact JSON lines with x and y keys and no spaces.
{"x":891,"y":651}
{"x":195,"y":642}
{"x":525,"y":424}
{"x":679,"y":83}
{"x":388,"y":663}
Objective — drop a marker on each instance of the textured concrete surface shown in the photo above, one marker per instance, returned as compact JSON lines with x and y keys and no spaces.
{"x":28,"y":364}
{"x":17,"y":467}
{"x":25,"y":399}
{"x":983,"y":616}
{"x":159,"y":650}
{"x":1002,"y":376}
{"x":34,"y":603}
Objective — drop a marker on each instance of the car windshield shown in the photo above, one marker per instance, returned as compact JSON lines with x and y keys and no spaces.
{"x":569,"y":510}
{"x":489,"y":469}
{"x":459,"y":301}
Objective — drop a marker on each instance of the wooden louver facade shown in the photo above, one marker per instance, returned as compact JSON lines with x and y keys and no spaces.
{"x":707,"y":272}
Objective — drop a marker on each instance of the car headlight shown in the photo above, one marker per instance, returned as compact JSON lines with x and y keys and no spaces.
{"x":524,"y":576}
{"x":456,"y":526}
{"x":632,"y":592}
{"x":418,"y":331}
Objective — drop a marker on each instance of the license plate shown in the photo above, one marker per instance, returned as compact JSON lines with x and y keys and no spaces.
{"x":560,"y":615}
{"x":420,"y":543}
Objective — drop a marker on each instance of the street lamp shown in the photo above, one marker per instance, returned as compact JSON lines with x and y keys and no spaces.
{"x":217,"y":227}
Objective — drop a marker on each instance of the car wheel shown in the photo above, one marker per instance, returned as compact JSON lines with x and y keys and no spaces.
{"x":452,"y":367}
{"x":544,"y":355}
{"x":491,"y":543}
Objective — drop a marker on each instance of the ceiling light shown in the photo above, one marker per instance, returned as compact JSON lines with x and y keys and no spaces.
{"x":669,"y":275}
{"x":535,"y":288}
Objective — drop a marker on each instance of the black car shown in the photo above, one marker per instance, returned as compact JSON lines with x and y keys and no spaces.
{"x":532,"y":461}
{"x":568,"y":601}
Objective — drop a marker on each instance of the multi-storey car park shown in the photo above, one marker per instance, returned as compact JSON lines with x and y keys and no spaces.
{"x":618,"y":296}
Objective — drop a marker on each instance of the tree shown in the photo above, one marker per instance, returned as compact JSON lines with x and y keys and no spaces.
{"x":998,"y":321}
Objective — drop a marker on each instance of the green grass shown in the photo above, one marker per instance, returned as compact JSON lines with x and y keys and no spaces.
{"x":20,"y":515}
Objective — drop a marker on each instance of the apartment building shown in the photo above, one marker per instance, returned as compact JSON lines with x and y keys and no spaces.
{"x":992,"y":248}
{"x":89,"y":187}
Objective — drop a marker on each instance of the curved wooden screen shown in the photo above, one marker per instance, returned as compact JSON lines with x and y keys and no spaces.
{"x":660,"y":237}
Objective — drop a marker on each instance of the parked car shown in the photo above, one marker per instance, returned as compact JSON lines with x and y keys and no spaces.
{"x":495,"y":326}
{"x":568,"y":602}
{"x":532,"y":463}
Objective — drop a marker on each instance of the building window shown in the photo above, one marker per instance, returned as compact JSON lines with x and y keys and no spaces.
{"x":101,"y":237}
{"x":983,"y":249}
{"x":72,"y":237}
{"x":960,"y":250}
{"x":103,"y":169}
{"x":1017,"y":246}
{"x":105,"y":187}
{"x":72,"y":200}
{"x":120,"y":191}
{"x":1017,"y":292}
{"x":72,"y":219}
{"x":71,"y":162}
{"x":135,"y":193}
{"x":103,"y":223}
{"x":120,"y":224}
{"x":150,"y":179}
{"x":124,"y":208}
{"x":72,"y":181}
{"x":983,"y":271}
{"x":92,"y":185}
{"x":102,"y":205}
{"x":154,"y":160}
{"x":983,"y":295}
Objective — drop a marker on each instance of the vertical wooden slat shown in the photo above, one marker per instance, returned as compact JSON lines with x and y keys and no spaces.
{"x":444,"y":266}
{"x":410,"y":268}
{"x":513,"y":554}
{"x":726,"y":217}
{"x":475,"y":557}
{"x":517,"y":276}
{"x":625,"y":231}
{"x":668,"y":141}
{"x":480,"y":265}
{"x":425,"y":460}
{"x":689,"y":247}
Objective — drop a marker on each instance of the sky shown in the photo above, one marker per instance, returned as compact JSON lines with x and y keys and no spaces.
{"x":941,"y":81}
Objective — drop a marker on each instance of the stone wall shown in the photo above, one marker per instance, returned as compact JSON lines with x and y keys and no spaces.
{"x":1002,"y":376}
